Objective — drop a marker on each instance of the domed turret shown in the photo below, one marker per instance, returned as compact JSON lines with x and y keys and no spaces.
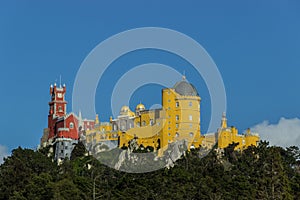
{"x":125,"y":110}
{"x":185,"y":88}
{"x":140,"y":107}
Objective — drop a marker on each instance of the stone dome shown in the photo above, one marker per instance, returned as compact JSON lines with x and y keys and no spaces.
{"x":186,"y":89}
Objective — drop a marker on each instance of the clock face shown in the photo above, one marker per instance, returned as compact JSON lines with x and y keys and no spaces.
{"x":59,"y":95}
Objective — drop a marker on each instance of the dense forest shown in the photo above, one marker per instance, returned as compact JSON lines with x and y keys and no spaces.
{"x":262,"y":172}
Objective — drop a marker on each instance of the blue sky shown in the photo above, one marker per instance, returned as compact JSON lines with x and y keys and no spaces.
{"x":255,"y":44}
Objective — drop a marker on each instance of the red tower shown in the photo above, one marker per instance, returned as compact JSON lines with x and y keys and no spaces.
{"x":57,"y":104}
{"x":57,"y":107}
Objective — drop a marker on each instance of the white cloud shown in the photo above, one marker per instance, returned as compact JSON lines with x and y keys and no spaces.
{"x":3,"y":153}
{"x":285,"y":133}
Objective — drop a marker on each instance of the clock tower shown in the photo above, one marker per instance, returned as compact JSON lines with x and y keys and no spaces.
{"x":57,"y":106}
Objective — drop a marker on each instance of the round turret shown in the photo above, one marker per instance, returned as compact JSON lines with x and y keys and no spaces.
{"x":140,"y":107}
{"x":125,"y":110}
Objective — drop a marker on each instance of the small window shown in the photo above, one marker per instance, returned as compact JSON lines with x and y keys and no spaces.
{"x":177,"y":104}
{"x":169,"y":100}
{"x":177,"y":117}
{"x":190,"y":117}
{"x":66,"y":147}
{"x":190,"y":104}
{"x":151,"y":122}
{"x":169,"y":134}
{"x":60,"y":109}
{"x":169,"y":128}
{"x":177,"y":125}
{"x":191,"y":134}
{"x":177,"y":134}
{"x":71,"y":125}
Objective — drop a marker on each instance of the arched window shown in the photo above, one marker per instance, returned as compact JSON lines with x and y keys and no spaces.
{"x":71,"y":125}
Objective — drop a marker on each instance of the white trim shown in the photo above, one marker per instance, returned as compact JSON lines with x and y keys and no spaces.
{"x":63,"y":129}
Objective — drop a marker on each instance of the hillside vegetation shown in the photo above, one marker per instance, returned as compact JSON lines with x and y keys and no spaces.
{"x":263,"y":172}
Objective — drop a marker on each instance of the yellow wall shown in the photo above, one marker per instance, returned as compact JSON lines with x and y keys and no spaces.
{"x":178,"y":119}
{"x":227,"y":136}
{"x":182,"y":118}
{"x":101,"y":132}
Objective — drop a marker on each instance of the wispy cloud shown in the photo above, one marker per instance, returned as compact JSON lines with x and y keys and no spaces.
{"x":285,"y":133}
{"x":3,"y":153}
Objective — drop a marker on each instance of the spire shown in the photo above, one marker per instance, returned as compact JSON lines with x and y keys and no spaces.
{"x":97,"y":119}
{"x":59,"y":81}
{"x":79,"y":115}
{"x":224,"y":121}
{"x":80,"y":122}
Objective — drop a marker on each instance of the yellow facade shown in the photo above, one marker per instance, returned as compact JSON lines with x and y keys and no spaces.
{"x":101,"y":132}
{"x":228,"y":135}
{"x":182,"y":118}
{"x":178,"y":119}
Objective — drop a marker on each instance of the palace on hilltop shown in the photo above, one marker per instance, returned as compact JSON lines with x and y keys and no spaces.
{"x":177,"y":120}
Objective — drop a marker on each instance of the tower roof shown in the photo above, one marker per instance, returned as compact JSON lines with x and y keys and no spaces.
{"x":185,"y":88}
{"x":140,"y":107}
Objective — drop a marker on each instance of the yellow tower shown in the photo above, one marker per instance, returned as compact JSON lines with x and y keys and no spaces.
{"x":182,"y":106}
